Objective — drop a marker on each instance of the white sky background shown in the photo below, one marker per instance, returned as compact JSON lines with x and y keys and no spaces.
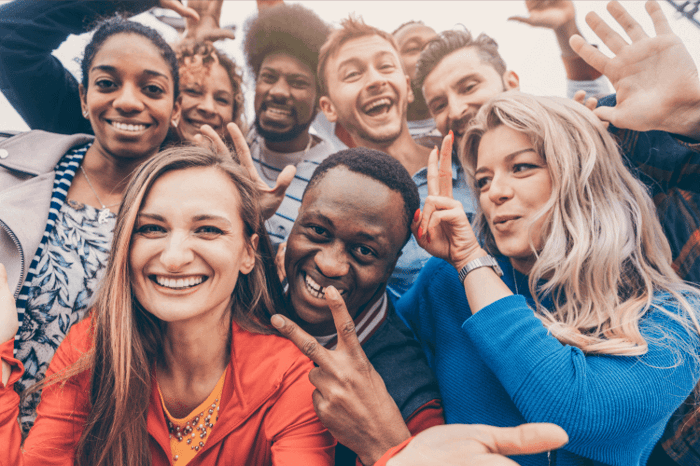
{"x":531,"y":52}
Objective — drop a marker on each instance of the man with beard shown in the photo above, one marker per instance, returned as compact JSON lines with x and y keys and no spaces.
{"x":365,"y":88}
{"x":281,"y":46}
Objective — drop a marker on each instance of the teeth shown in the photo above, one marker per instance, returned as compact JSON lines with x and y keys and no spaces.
{"x":378,"y":103}
{"x":179,"y":283}
{"x":279,"y":111}
{"x":317,"y":290}
{"x":128,"y":127}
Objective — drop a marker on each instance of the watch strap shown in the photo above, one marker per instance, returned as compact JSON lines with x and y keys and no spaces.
{"x":485,"y":261}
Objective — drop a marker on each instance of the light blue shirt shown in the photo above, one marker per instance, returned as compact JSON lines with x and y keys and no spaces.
{"x":413,"y":257}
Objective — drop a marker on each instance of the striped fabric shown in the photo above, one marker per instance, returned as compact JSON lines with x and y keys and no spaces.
{"x":366,"y":324}
{"x":65,"y":171}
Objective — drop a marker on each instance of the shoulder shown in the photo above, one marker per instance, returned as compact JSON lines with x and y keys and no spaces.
{"x":38,"y":151}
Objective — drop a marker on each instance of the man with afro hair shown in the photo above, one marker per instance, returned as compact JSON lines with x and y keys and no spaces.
{"x":281,"y":46}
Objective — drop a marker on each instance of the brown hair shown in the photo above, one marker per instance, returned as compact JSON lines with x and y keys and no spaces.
{"x":350,"y":28}
{"x":127,"y":339}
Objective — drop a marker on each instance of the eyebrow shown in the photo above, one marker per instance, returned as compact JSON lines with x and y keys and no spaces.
{"x":112,"y":69}
{"x":508,"y":158}
{"x":290,"y":75}
{"x":197,"y":218}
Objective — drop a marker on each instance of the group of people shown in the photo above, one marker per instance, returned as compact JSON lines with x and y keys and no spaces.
{"x":404,"y":260}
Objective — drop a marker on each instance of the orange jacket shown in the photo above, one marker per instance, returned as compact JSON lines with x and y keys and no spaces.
{"x":267,"y":416}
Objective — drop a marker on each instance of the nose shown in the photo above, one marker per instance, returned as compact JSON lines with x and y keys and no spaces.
{"x":375,"y":78}
{"x":128,"y":100}
{"x":456,"y":111}
{"x":500,"y":190}
{"x":280,"y":91}
{"x":206,"y":104}
{"x":332,"y":261}
{"x":176,"y":253}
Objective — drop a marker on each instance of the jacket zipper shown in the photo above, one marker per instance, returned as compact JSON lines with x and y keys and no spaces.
{"x":21,"y":257}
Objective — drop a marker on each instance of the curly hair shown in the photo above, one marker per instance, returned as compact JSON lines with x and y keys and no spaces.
{"x":449,"y":41}
{"x":290,"y":29}
{"x":604,"y":256}
{"x":195,"y":60}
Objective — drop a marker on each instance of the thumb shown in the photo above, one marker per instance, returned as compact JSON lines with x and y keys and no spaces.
{"x":219,"y":34}
{"x":284,"y":179}
{"x":521,"y":19}
{"x":608,"y":114}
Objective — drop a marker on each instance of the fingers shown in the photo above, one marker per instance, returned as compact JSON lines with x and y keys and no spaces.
{"x":305,"y":342}
{"x":242,"y":151}
{"x":588,"y":53}
{"x":606,"y":114}
{"x":180,"y":9}
{"x":218,"y":143}
{"x":612,"y":39}
{"x":435,"y":211}
{"x":591,"y":103}
{"x":580,"y":96}
{"x":521,"y":19}
{"x":433,"y":184}
{"x":445,"y":166}
{"x":661,"y":25}
{"x":628,"y":23}
{"x":526,"y":439}
{"x":279,"y":261}
{"x":284,"y":179}
{"x":344,"y":325}
{"x":217,"y":34}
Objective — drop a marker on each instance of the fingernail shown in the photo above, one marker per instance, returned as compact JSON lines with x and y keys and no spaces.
{"x":277,"y":321}
{"x":452,"y":136}
{"x":420,"y":232}
{"x":416,"y":216}
{"x":331,"y":292}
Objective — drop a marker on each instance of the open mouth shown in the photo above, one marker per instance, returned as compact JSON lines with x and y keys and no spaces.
{"x":377,"y":107}
{"x":316,"y":290}
{"x":178,"y":283}
{"x":128,"y":127}
{"x":504,"y":221}
{"x":198,"y":124}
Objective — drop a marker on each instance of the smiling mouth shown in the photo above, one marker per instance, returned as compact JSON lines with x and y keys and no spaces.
{"x":377,"y":107}
{"x":179,"y":283}
{"x":198,"y":124}
{"x":315,"y":289}
{"x":131,"y":128}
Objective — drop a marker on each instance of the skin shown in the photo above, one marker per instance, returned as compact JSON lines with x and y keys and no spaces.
{"x":344,"y":236}
{"x":411,"y":40}
{"x":285,"y":100}
{"x":206,"y":100}
{"x":362,"y":72}
{"x":459,"y":85}
{"x":129,"y":83}
{"x":515,"y":187}
{"x":189,"y":228}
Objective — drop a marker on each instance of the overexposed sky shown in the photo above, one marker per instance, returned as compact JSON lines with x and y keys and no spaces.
{"x":532,"y":53}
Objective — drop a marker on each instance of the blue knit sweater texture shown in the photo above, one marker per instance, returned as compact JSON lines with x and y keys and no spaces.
{"x":501,"y":367}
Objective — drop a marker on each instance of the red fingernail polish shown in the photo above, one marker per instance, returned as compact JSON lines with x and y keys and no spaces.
{"x":452,"y":136}
{"x":416,"y":216}
{"x":420,"y":232}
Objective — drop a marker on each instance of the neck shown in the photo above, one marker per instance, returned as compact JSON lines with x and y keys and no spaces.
{"x":109,"y":174}
{"x":297,"y":144}
{"x":404,"y":149}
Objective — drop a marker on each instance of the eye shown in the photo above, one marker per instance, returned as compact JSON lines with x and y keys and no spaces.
{"x":105,"y":84}
{"x":317,"y":232}
{"x":192,"y":91}
{"x":209,"y":230}
{"x":299,"y":84}
{"x":154,"y":90}
{"x":437,"y":107}
{"x":364,"y":252}
{"x":268,"y":78}
{"x":522,"y":167}
{"x":223,"y":101}
{"x":468,"y":87}
{"x":150,"y":230}
{"x":482,"y":182}
{"x":351,"y":75}
{"x":387,"y":67}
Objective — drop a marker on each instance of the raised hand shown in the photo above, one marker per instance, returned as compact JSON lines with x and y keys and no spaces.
{"x":9,"y":324}
{"x":207,"y":28}
{"x":350,"y":399}
{"x":478,"y":445}
{"x":590,"y":103}
{"x":655,"y":77}
{"x":443,"y":228}
{"x":270,"y":198}
{"x":176,"y":5}
{"x":550,"y":14}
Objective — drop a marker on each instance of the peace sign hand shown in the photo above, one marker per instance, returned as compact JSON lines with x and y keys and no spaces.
{"x":350,"y":399}
{"x":270,"y":198}
{"x":443,"y":229}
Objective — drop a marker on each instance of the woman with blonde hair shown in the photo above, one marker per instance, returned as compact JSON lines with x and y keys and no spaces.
{"x":579,"y":319}
{"x":176,"y":363}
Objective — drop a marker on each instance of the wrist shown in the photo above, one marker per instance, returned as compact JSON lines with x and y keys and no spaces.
{"x":467,"y":258}
{"x":564,"y":33}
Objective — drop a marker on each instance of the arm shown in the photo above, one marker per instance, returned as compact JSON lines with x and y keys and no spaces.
{"x":297,"y":435}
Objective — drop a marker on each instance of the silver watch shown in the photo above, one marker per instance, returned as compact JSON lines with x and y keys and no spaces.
{"x":485,"y":261}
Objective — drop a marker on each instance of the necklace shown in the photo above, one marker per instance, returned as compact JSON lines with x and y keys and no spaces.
{"x":515,"y":281}
{"x":189,"y":431}
{"x":104,"y":212}
{"x":265,"y":171}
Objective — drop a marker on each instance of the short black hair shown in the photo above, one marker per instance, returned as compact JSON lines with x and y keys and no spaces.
{"x":378,"y":166}
{"x":290,"y":29}
{"x":118,"y":24}
{"x":451,"y":40}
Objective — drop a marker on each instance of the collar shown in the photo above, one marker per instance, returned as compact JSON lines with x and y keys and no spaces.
{"x":366,"y":324}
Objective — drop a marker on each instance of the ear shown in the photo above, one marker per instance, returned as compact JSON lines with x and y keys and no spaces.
{"x":175,"y":116}
{"x":328,"y":108}
{"x":511,"y":81}
{"x":411,"y":95}
{"x":248,"y":261}
{"x":83,"y":100}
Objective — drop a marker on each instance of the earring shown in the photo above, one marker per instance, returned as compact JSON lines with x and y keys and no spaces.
{"x":85,"y":113}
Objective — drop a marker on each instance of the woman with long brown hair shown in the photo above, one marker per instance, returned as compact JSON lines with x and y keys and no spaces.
{"x":176,"y":360}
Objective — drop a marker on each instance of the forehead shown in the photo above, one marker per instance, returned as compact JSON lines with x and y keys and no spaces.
{"x":364,"y":48}
{"x":283,"y":63}
{"x":358,"y":203}
{"x":215,"y":77}
{"x":414,"y":31}
{"x":201,"y":188}
{"x":133,"y":51}
{"x":458,"y":64}
{"x":500,"y":143}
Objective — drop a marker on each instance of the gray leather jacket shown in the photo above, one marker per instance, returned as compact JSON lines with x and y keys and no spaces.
{"x":27,"y":163}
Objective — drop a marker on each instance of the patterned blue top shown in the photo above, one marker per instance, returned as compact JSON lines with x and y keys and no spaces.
{"x":62,"y":279}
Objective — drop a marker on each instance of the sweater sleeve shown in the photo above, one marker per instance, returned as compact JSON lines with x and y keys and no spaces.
{"x":61,"y":414}
{"x":35,"y":82}
{"x":296,"y":433}
{"x":596,"y":399}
